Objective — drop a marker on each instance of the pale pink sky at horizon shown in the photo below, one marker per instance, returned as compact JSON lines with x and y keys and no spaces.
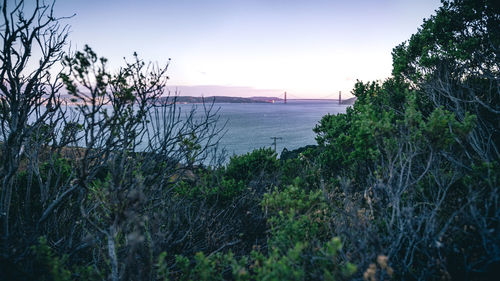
{"x":311,"y":49}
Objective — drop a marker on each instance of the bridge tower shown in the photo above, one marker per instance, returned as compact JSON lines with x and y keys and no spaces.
{"x":340,"y":97}
{"x":285,"y":97}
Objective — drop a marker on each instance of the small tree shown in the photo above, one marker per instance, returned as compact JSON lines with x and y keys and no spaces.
{"x":454,"y":61}
{"x":32,"y":42}
{"x":132,"y":146}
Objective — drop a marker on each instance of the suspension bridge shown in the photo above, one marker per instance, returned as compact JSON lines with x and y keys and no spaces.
{"x":333,"y":96}
{"x":287,"y":96}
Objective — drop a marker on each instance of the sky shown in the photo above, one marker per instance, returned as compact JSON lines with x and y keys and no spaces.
{"x":311,"y":49}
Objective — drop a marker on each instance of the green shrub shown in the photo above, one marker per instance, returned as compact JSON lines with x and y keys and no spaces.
{"x":260,"y":164}
{"x":50,"y":267}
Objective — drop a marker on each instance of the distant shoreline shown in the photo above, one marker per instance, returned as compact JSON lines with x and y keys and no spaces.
{"x":218,"y":99}
{"x":228,"y":99}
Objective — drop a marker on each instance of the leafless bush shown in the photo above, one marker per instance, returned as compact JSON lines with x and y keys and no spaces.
{"x":94,"y":175}
{"x":417,"y":211}
{"x":29,"y":108}
{"x":463,"y":92}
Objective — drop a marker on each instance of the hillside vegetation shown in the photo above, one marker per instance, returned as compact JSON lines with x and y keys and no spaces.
{"x":403,"y":186}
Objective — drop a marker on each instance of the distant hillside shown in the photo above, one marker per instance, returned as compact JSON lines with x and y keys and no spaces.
{"x":223,"y":99}
{"x":349,"y":101}
{"x":266,"y":99}
{"x":220,"y":99}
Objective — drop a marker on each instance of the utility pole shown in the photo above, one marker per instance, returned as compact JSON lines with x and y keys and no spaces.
{"x":285,"y":97}
{"x":340,"y":97}
{"x":274,"y":141}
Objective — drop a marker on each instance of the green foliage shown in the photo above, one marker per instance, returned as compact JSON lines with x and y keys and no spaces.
{"x":162,"y":267}
{"x":462,"y":32}
{"x":300,"y":237}
{"x":426,"y":138}
{"x":224,"y":184}
{"x":291,"y":199}
{"x":203,"y":268}
{"x":300,"y":167}
{"x":352,"y":143}
{"x":453,"y":62}
{"x":442,"y":128}
{"x":299,"y":246}
{"x":347,"y":141}
{"x":280,"y":266}
{"x":210,"y":186}
{"x":52,"y":175}
{"x":50,"y":267}
{"x":413,"y":163}
{"x":259,"y":164}
{"x":190,"y":145}
{"x":58,"y":170}
{"x":54,"y":265}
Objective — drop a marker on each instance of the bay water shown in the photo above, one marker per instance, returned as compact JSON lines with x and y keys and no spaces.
{"x":253,"y":125}
{"x":250,"y":126}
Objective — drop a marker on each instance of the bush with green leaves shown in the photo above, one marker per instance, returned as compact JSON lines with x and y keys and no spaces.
{"x":408,"y":178}
{"x":210,"y":184}
{"x":404,"y":155}
{"x":50,"y":267}
{"x":299,"y":246}
{"x":300,"y":167}
{"x":260,"y":165}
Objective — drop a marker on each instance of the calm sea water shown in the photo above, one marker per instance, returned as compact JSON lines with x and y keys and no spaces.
{"x":250,"y":126}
